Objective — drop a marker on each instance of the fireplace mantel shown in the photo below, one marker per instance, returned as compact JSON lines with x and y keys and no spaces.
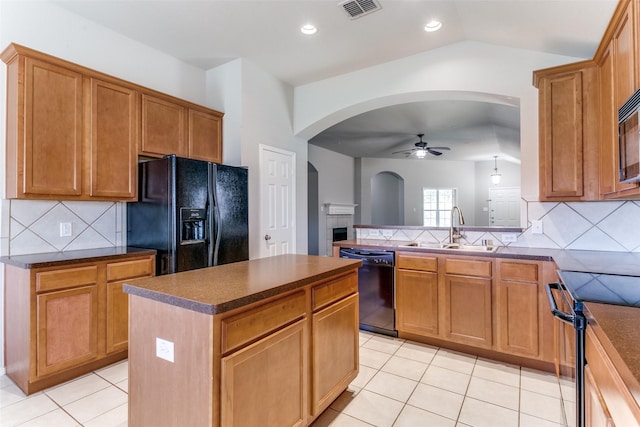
{"x":340,"y":208}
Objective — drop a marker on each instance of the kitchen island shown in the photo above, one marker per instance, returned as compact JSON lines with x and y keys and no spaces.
{"x":271,"y":341}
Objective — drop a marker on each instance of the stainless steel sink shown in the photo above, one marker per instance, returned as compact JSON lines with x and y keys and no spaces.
{"x":451,"y":246}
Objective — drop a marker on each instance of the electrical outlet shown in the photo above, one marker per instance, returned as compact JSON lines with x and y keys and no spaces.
{"x":536,"y":227}
{"x":164,"y":349}
{"x":509,"y":237}
{"x":65,"y":229}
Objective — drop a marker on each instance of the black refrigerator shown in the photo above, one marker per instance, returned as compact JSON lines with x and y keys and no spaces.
{"x":193,"y":213}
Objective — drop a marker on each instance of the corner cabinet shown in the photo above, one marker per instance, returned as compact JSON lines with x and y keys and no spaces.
{"x":568,"y":132}
{"x":67,"y":320}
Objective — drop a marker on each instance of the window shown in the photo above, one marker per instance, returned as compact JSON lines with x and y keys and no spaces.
{"x":437,"y":204}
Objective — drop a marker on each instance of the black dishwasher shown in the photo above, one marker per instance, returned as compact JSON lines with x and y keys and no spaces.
{"x":376,"y":286}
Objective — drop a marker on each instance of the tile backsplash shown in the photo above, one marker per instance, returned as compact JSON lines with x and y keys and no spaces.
{"x":603,"y":226}
{"x":34,"y":225}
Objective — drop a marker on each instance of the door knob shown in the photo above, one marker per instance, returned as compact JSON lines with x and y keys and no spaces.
{"x":267,"y":237}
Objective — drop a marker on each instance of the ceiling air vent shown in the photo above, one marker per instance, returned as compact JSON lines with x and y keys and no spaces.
{"x":357,"y":8}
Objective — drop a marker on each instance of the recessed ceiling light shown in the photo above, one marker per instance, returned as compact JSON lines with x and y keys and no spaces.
{"x":308,"y":29}
{"x":433,"y":26}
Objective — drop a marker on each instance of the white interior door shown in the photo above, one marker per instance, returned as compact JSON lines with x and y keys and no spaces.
{"x":277,"y":201}
{"x":504,"y":206}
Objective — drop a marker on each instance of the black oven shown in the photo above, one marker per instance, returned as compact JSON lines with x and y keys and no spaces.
{"x":570,"y":345}
{"x":567,"y":300}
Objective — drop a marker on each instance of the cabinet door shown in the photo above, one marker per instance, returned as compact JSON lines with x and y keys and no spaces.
{"x":517,"y":322}
{"x":265,"y":384}
{"x":67,"y":328}
{"x":163,"y":127}
{"x":335,"y":351}
{"x":114,"y":133}
{"x":624,"y":64}
{"x":52,"y":163}
{"x":595,"y":409}
{"x":467,"y":310}
{"x":417,"y":302}
{"x":117,"y":316}
{"x":205,"y":136}
{"x":561,"y":138}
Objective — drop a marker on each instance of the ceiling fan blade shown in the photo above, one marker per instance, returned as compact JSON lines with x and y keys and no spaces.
{"x":403,"y":151}
{"x":440,"y":148}
{"x":435,"y":153}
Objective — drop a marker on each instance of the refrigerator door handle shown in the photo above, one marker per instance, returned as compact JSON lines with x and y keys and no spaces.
{"x":211,"y":206}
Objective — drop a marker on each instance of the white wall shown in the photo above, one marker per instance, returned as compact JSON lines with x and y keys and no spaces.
{"x":259,"y":110}
{"x":464,"y":70}
{"x":418,"y":174}
{"x":335,"y":184}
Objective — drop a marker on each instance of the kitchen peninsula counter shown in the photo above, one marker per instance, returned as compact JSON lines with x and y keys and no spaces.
{"x":206,"y":345}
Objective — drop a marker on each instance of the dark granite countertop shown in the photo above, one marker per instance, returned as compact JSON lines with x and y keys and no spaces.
{"x":618,"y":330}
{"x":218,"y":289}
{"x":53,"y":259}
{"x":626,"y":263}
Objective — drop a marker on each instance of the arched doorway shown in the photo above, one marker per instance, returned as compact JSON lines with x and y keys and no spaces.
{"x":387,"y":199}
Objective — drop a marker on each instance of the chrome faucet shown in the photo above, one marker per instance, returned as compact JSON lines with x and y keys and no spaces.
{"x":454,"y":236}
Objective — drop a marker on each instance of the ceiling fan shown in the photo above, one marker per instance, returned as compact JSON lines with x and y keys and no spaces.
{"x":421,"y":149}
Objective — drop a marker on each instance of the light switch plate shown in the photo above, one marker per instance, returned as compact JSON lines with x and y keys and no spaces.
{"x":164,"y":349}
{"x":65,"y":229}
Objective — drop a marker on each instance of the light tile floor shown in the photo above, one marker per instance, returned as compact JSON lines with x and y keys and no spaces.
{"x":401,"y":384}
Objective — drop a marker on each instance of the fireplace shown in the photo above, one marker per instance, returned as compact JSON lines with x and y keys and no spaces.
{"x":339,"y":233}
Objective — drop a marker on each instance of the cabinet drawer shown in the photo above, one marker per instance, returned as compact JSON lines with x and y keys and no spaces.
{"x":467,"y":267}
{"x":250,"y":325}
{"x":519,"y":271}
{"x":416,"y":262}
{"x":129,"y":269}
{"x":67,"y":278}
{"x":334,"y":290}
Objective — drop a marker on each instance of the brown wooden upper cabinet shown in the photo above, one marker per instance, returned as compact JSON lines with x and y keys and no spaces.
{"x":69,"y":135}
{"x":173,"y":127}
{"x":568,"y":104}
{"x":618,"y":74}
{"x":75,"y":134}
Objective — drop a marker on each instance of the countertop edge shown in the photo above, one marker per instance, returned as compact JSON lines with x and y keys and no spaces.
{"x":213,"y":309}
{"x":55,"y":259}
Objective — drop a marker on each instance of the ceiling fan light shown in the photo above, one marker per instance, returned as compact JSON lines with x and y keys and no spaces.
{"x":421,"y":154}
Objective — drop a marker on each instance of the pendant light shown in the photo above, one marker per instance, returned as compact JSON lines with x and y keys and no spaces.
{"x":495,"y":176}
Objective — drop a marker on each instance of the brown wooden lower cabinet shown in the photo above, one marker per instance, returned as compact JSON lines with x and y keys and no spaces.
{"x":265,"y":383}
{"x":495,"y":306}
{"x":67,"y":324}
{"x":467,"y":310}
{"x":277,"y":362}
{"x":67,"y":320}
{"x":596,"y":411}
